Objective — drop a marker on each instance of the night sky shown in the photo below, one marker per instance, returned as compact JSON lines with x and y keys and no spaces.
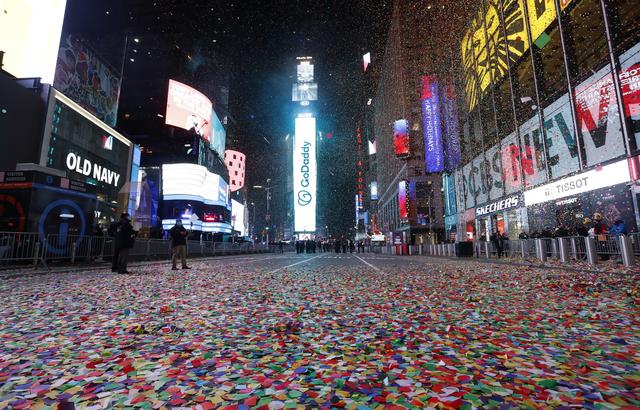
{"x":255,"y":43}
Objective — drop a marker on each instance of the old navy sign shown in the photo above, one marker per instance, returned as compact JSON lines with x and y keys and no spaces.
{"x":87,"y":168}
{"x":600,"y":177}
{"x":431,"y":126}
{"x":508,"y":203}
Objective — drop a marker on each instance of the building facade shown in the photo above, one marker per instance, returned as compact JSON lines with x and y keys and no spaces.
{"x":549,"y":109}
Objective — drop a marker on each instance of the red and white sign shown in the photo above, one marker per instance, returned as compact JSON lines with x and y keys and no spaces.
{"x":189,"y":109}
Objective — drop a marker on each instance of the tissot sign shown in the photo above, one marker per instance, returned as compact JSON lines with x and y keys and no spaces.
{"x":507,"y":203}
{"x":601,"y":177}
{"x":305,"y":174}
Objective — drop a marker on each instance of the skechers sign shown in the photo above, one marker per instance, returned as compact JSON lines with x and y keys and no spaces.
{"x":305,"y":174}
{"x":87,"y":168}
{"x":508,"y":203}
{"x":600,"y":177}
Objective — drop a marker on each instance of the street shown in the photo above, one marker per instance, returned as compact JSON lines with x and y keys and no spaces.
{"x":320,"y":331}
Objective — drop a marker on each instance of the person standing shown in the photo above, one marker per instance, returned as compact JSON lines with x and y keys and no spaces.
{"x":113,"y":233}
{"x":498,"y":242}
{"x":178,"y":235}
{"x":125,"y":239}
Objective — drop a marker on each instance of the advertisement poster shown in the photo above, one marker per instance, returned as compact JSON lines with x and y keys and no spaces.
{"x":431,"y":125}
{"x":630,"y":84}
{"x":493,"y":172}
{"x":452,"y":155}
{"x":189,"y":109}
{"x":598,"y":118}
{"x":511,"y":169}
{"x":83,"y":77}
{"x":403,"y":205}
{"x":149,"y":197}
{"x":401,"y":138}
{"x":532,"y":153}
{"x":560,"y":139}
{"x":478,"y":180}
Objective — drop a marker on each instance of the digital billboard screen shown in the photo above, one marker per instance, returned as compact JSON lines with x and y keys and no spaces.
{"x":82,"y":76}
{"x":431,"y":125}
{"x":305,"y":174}
{"x":193,"y":182}
{"x":305,"y":72}
{"x":218,"y":135}
{"x":30,"y":37}
{"x":304,"y":92}
{"x":403,"y":209}
{"x":189,"y":109}
{"x":237,"y":217}
{"x":374,"y":190}
{"x":401,"y":138}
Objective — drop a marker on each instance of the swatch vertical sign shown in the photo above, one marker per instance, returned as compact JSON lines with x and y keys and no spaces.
{"x":431,"y":126}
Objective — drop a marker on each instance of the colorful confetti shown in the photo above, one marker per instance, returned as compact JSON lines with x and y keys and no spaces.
{"x":420,"y":333}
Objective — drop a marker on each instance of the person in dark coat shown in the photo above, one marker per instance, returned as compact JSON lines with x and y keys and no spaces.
{"x":178,"y":235}
{"x":498,"y":242}
{"x":125,"y":238}
{"x":113,"y":233}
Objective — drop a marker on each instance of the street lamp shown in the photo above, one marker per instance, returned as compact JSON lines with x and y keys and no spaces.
{"x":268,"y":191}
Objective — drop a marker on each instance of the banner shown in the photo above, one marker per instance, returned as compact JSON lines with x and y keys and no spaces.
{"x":82,"y":76}
{"x":403,"y":205}
{"x":431,"y":127}
{"x":305,"y":175}
{"x":401,"y":138}
{"x":452,"y":155}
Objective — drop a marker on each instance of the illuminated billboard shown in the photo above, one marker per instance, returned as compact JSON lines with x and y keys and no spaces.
{"x":374,"y":190}
{"x":403,"y":206}
{"x":304,"y":174}
{"x":82,"y":76}
{"x":218,"y":134}
{"x":304,"y":92}
{"x":189,"y":109}
{"x":192,"y":182}
{"x":237,"y":217}
{"x":366,"y":60}
{"x":372,"y":147}
{"x":235,"y":162}
{"x":431,"y":125}
{"x":401,"y":138}
{"x":305,"y":72}
{"x":30,"y":37}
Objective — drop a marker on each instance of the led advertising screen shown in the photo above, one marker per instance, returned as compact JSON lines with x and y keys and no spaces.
{"x":189,"y":109}
{"x":305,"y":174}
{"x":366,"y":60}
{"x":87,"y":149}
{"x":431,"y":126}
{"x":237,"y":217}
{"x":192,"y":182}
{"x":403,"y":209}
{"x":30,"y":37}
{"x":235,"y":162}
{"x":82,"y":76}
{"x":218,"y":135}
{"x":401,"y":138}
{"x":374,"y":190}
{"x":305,"y":72}
{"x":304,"y":92}
{"x":372,"y":147}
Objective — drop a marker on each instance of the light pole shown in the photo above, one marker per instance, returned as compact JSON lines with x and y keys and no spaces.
{"x":267,"y":216}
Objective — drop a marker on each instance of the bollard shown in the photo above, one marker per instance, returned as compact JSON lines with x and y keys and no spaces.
{"x":440,"y":250}
{"x":626,"y":250}
{"x":101,"y":256}
{"x":73,"y":253}
{"x":563,"y":246}
{"x":523,"y":251}
{"x":487,"y":253}
{"x":591,"y":250}
{"x":541,"y":251}
{"x":410,"y":251}
{"x":420,"y":249}
{"x":37,"y":254}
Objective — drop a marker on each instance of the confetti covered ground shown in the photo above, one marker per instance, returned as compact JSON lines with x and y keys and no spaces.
{"x":288,"y":331}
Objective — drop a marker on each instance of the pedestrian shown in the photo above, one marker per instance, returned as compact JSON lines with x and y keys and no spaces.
{"x":497,"y":241}
{"x":281,"y":246}
{"x":523,"y":235}
{"x":546,"y":233}
{"x":352,"y":246}
{"x":337,"y":245}
{"x":125,"y":238}
{"x":113,"y":233}
{"x":344,"y":245}
{"x":583,"y":229}
{"x":600,"y":230}
{"x":178,"y":234}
